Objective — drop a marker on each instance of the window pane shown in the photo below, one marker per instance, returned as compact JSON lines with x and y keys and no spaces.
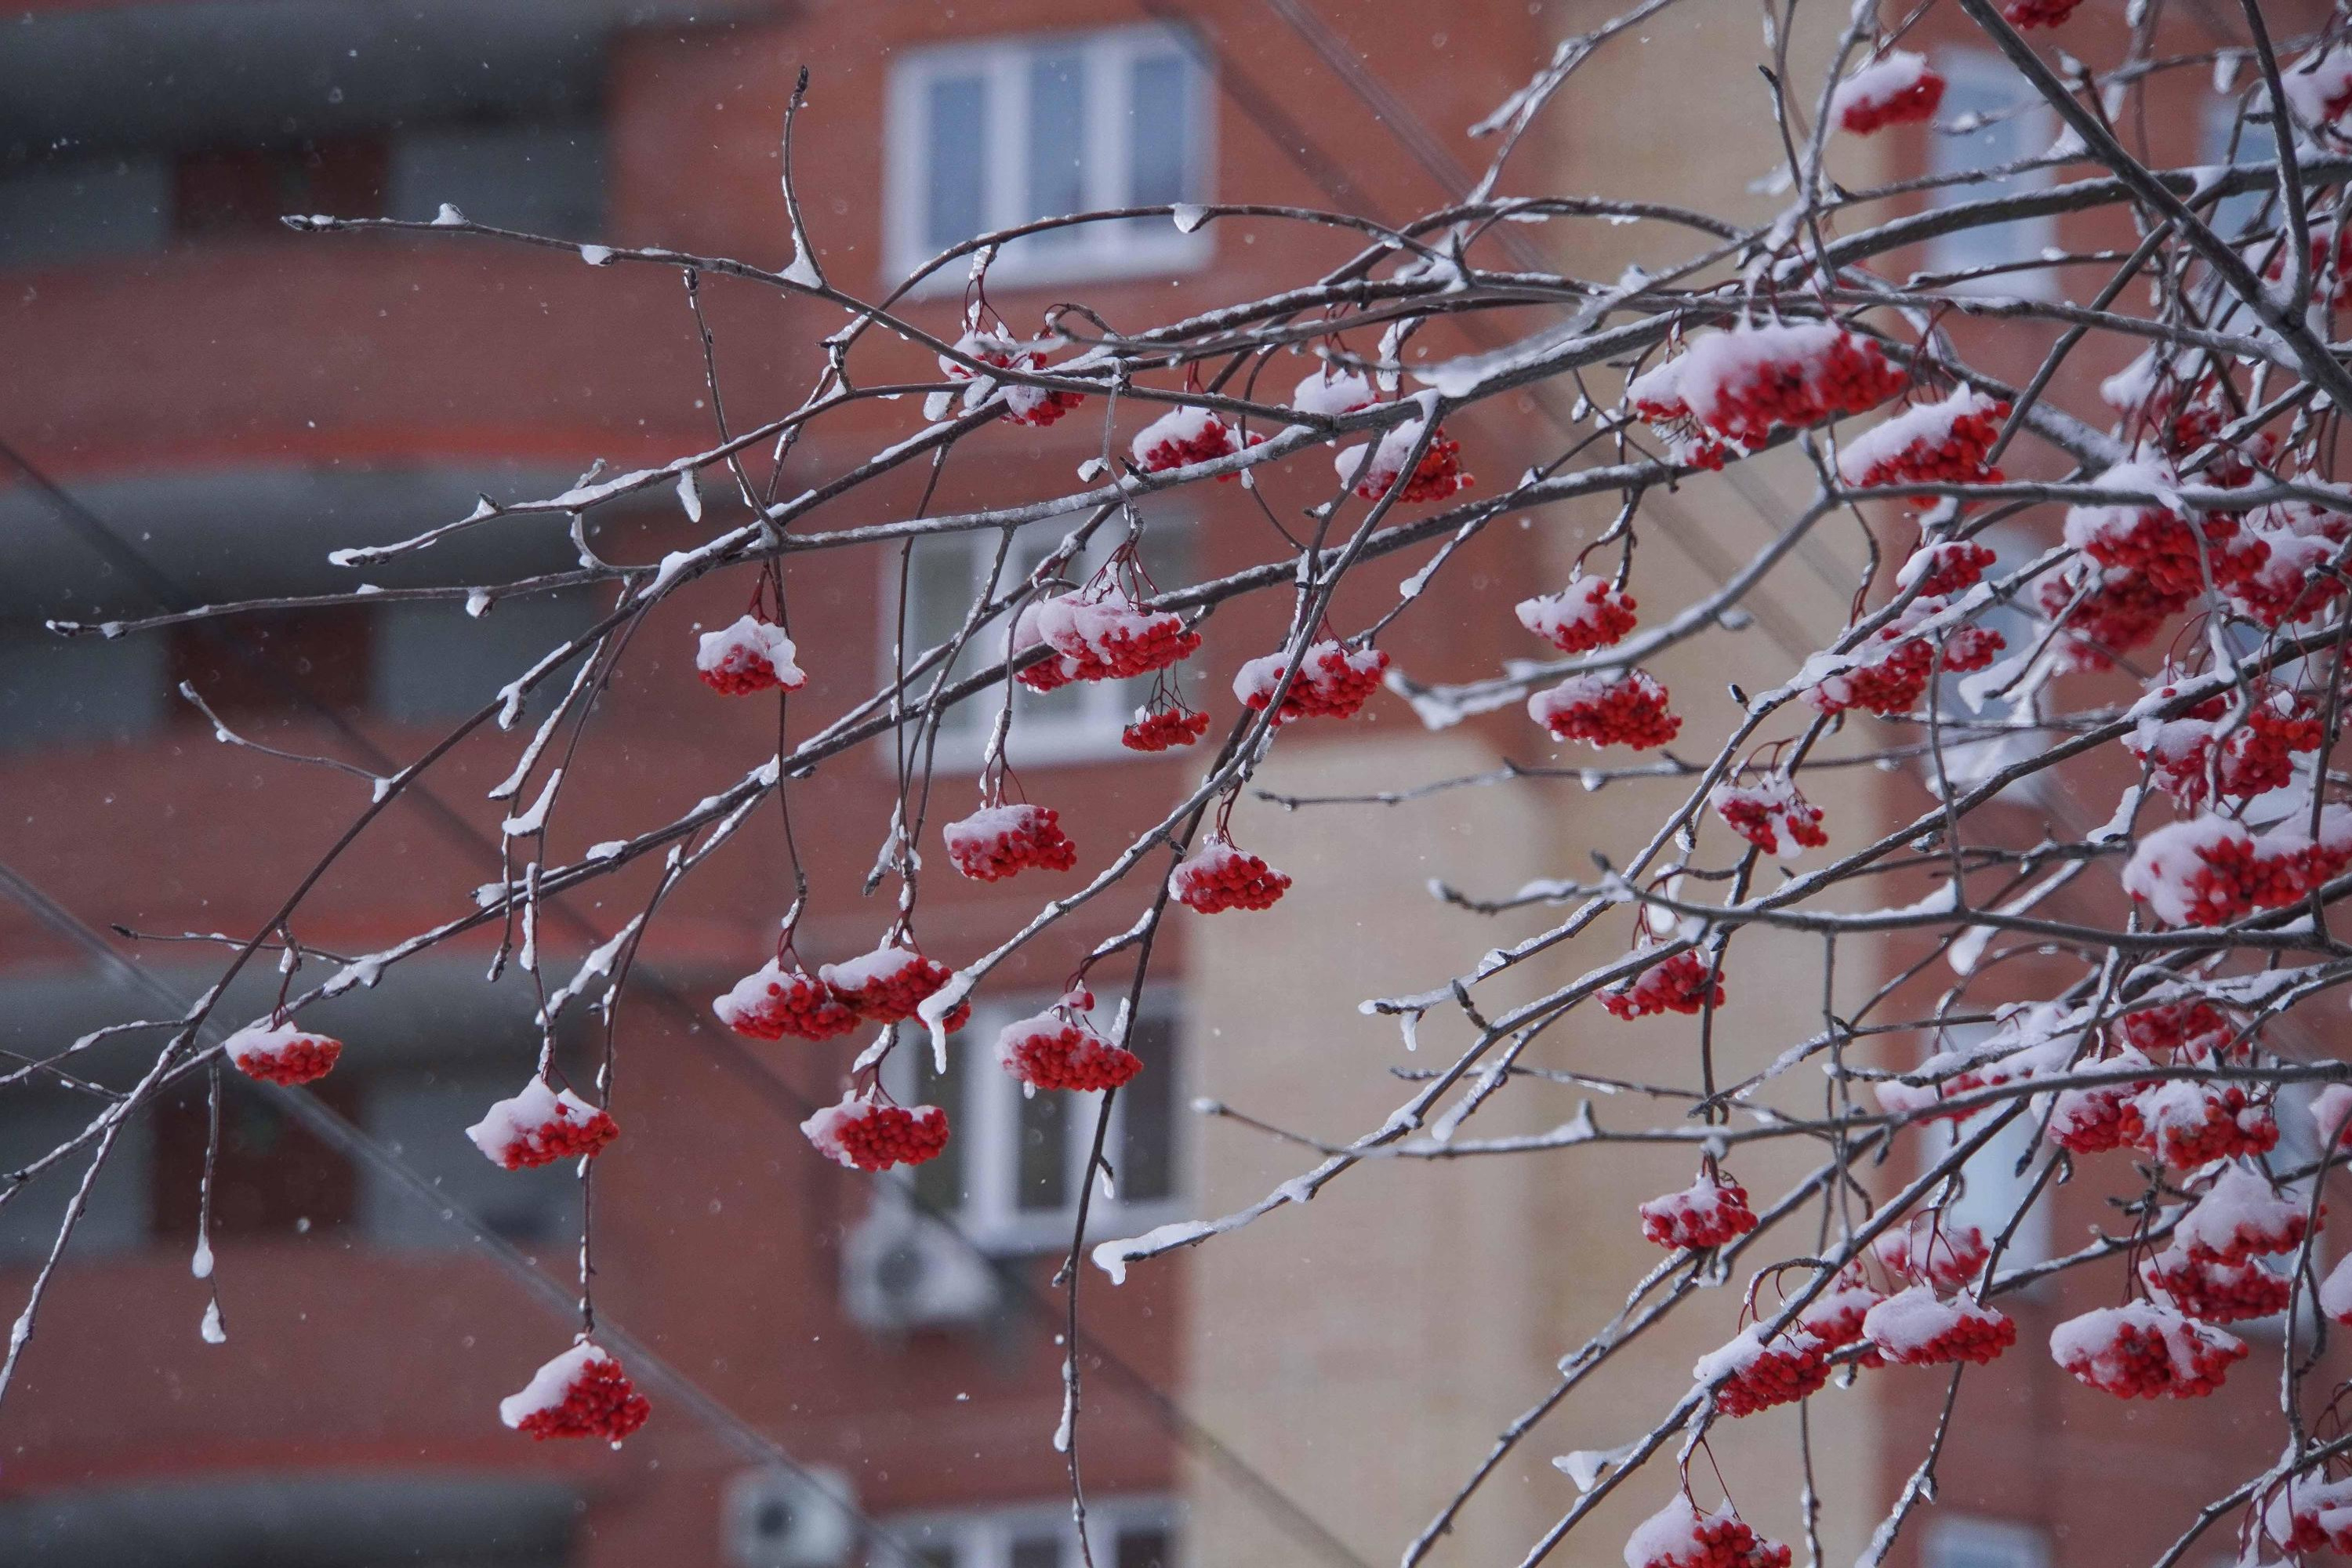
{"x":420,"y":1112}
{"x":1037,"y":1551}
{"x":1142,"y":1549}
{"x":1045,"y":1152}
{"x":434,"y":661}
{"x":55,"y":690}
{"x":1145,"y":1161}
{"x":116,"y":1217}
{"x":1057,"y":134}
{"x":2257,"y":144}
{"x":1996,"y":123}
{"x":938,"y":1182}
{"x":955,"y":204}
{"x":1161,"y":138}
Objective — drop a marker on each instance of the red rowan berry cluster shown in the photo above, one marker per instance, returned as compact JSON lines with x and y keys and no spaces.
{"x":772,"y":1002}
{"x":582,"y":1392}
{"x":999,"y":841}
{"x":1892,"y":667}
{"x":541,"y":1125}
{"x":1771,"y":814}
{"x":281,"y":1054}
{"x":1681,"y":983}
{"x":2090,"y":1120}
{"x":2145,"y":1352}
{"x":1328,"y":393}
{"x":1944,"y":442}
{"x":2249,"y":749}
{"x":1898,"y":89}
{"x":1917,"y":1327}
{"x":1946,"y":569}
{"x":1060,"y":1049}
{"x":2037,"y":12}
{"x":1586,"y":614}
{"x":1836,"y":1318}
{"x":2306,"y":1514}
{"x":2186,"y":1123}
{"x":751,"y":655}
{"x":1332,"y":683}
{"x":2216,"y":1292}
{"x":886,"y":986}
{"x":1023,"y":404}
{"x":1745,"y":383}
{"x":1679,"y":1536}
{"x":2241,"y":1216}
{"x":1606,"y":710}
{"x":2209,"y":871}
{"x":1437,"y":476}
{"x":1100,"y":635}
{"x":867,"y":1134}
{"x":1931,"y":1250}
{"x":1753,"y":1372}
{"x":2105,"y":611}
{"x":1709,"y":1213}
{"x":1163,"y":728}
{"x":1182,"y":436}
{"x":2157,"y":541}
{"x":1217,"y":875}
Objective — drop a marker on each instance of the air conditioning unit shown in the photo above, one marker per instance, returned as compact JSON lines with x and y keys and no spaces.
{"x":780,"y":1519}
{"x":901,"y":1270}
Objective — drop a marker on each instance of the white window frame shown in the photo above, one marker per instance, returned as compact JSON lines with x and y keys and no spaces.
{"x":2257,"y":144}
{"x":1102,"y":250}
{"x":1968,"y":1541}
{"x":1088,"y":716}
{"x":983,"y":1538}
{"x":1981,"y":71}
{"x":986,"y":1126}
{"x":1993,"y":1190}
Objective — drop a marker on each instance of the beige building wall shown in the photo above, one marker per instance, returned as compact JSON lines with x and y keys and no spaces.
{"x":1365,"y":1350}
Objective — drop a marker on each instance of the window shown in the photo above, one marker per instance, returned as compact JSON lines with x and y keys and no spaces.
{"x":1124,"y":1533}
{"x":991,"y":135}
{"x":433,"y":661}
{"x":1965,"y":1542}
{"x":1082,"y":720}
{"x":67,"y":208}
{"x":57,"y":691}
{"x":421,"y":1115}
{"x":116,"y":1219}
{"x":273,"y":664}
{"x":1990,"y":119}
{"x":547,"y":178}
{"x":1994,"y":1184}
{"x":247,"y":190}
{"x":1010,"y":1176}
{"x":2256,"y":142}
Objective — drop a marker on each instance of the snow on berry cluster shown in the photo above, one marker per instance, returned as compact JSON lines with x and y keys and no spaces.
{"x":998,"y":841}
{"x":1769,"y":812}
{"x":1679,"y":1536}
{"x":886,"y":986}
{"x":1627,"y":709}
{"x":1100,"y":634}
{"x":1023,"y":404}
{"x":539,"y":1126}
{"x":1060,"y":1049}
{"x":1182,"y":436}
{"x":1709,"y":1213}
{"x":1680,"y":983}
{"x":751,"y":655}
{"x":2186,"y":1122}
{"x":1163,"y":728}
{"x":2319,"y":91}
{"x":1218,"y":876}
{"x":2157,"y":540}
{"x":1586,"y":614}
{"x":2027,"y":1041}
{"x":2145,"y":1352}
{"x":865,"y":1133}
{"x":1917,"y":1326}
{"x":1933,"y":1250}
{"x":1437,"y":476}
{"x":1327,"y":395}
{"x":1899,"y":87}
{"x":2215,"y":1292}
{"x":772,"y":1002}
{"x":2306,"y":1514}
{"x":1332,"y":683}
{"x":1943,"y":442}
{"x":1890,"y":669}
{"x":2241,"y":1216}
{"x":1747,"y":382}
{"x":1756,"y":1372}
{"x":1943,"y":570}
{"x":281,"y":1053}
{"x":582,"y":1392}
{"x":2248,"y":746}
{"x":2210,"y":870}
{"x":1837,"y":1315}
